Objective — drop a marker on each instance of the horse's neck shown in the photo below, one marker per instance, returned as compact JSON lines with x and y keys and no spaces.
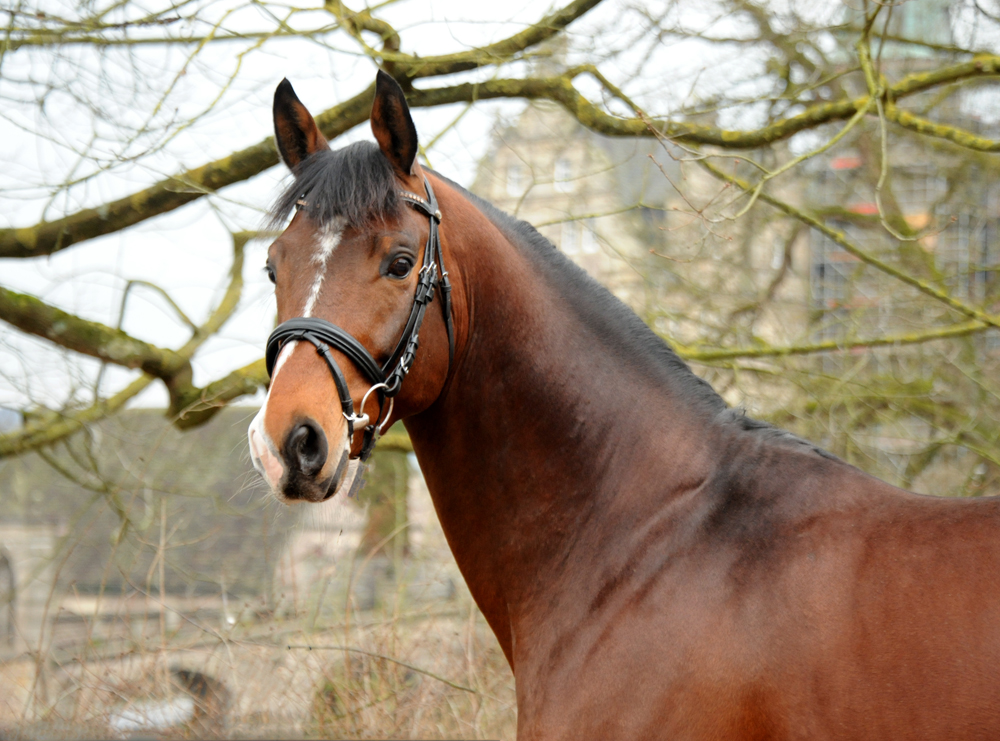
{"x":541,"y":431}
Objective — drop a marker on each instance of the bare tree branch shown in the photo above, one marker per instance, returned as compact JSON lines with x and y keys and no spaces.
{"x":33,"y":316}
{"x":166,"y":195}
{"x":838,"y":345}
{"x":189,"y":405}
{"x":841,"y":239}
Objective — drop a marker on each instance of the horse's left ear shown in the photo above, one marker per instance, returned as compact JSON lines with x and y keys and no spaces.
{"x":391,"y":123}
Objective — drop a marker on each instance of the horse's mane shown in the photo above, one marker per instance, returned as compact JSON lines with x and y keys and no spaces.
{"x":355,"y":183}
{"x":611,"y":321}
{"x":620,"y":328}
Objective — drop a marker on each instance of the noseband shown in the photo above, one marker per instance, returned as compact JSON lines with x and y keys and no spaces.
{"x":387,"y":379}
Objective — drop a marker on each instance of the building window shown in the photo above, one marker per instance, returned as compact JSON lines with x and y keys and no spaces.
{"x":968,"y":254}
{"x":830,"y":278}
{"x":563,"y":178}
{"x":991,"y":341}
{"x":831,"y":268}
{"x":589,"y":243}
{"x":517,"y":179}
{"x":8,"y":594}
{"x":918,"y":189}
{"x":570,"y":238}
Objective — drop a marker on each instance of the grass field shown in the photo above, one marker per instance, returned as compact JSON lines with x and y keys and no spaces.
{"x":434,"y":671}
{"x":352,"y":633}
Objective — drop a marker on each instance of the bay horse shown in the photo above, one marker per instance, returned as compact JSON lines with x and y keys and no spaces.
{"x":654,"y":564}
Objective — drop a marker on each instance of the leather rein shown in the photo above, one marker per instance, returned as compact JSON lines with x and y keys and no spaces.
{"x":388,"y":378}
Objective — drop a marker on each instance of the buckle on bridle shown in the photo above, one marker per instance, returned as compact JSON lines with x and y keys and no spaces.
{"x":361,"y":419}
{"x":357,"y":420}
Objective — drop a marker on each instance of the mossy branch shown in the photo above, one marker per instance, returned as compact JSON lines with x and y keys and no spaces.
{"x":48,"y":237}
{"x":189,"y":405}
{"x":413,"y":67}
{"x":841,"y":239}
{"x":21,"y":38}
{"x":166,"y":195}
{"x":357,"y":21}
{"x":920,"y":125}
{"x":194,"y":406}
{"x":33,"y":316}
{"x":53,"y":427}
{"x":838,"y":345}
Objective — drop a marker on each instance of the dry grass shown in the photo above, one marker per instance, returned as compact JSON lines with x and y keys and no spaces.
{"x":347,"y":647}
{"x":432,"y":672}
{"x":351,"y":639}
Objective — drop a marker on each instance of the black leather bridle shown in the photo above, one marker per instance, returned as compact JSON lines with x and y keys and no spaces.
{"x":386,"y":379}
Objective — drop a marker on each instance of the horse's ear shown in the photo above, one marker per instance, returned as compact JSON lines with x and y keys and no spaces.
{"x":295,"y":131}
{"x":391,"y":123}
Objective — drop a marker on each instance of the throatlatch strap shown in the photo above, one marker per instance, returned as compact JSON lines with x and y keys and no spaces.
{"x":433,"y":256}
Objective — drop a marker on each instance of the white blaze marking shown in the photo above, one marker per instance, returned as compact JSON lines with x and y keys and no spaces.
{"x":263,"y":452}
{"x":283,"y":355}
{"x":329,"y":238}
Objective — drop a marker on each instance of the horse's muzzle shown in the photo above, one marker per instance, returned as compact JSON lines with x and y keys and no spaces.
{"x":301,"y":470}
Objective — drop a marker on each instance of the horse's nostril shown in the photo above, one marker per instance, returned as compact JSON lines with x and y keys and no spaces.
{"x":307,"y":446}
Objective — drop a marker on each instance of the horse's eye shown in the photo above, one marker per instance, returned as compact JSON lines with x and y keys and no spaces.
{"x":400,"y":267}
{"x":270,"y":273}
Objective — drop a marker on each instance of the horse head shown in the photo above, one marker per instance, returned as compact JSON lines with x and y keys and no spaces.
{"x":354,"y":272}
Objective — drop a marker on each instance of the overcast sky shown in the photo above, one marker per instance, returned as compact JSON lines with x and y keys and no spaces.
{"x":186,"y":251}
{"x":101,"y":120}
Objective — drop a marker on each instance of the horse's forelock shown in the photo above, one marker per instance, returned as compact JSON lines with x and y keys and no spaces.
{"x":355,"y":183}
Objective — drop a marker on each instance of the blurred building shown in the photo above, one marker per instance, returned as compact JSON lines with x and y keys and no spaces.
{"x":598,"y":199}
{"x":613,"y":206}
{"x":939,"y":204}
{"x":626,"y":210}
{"x":132,"y":520}
{"x":647,"y":221}
{"x":144,"y":572}
{"x":137,"y":527}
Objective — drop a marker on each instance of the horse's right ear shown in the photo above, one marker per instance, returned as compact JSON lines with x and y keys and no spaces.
{"x":295,"y":131}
